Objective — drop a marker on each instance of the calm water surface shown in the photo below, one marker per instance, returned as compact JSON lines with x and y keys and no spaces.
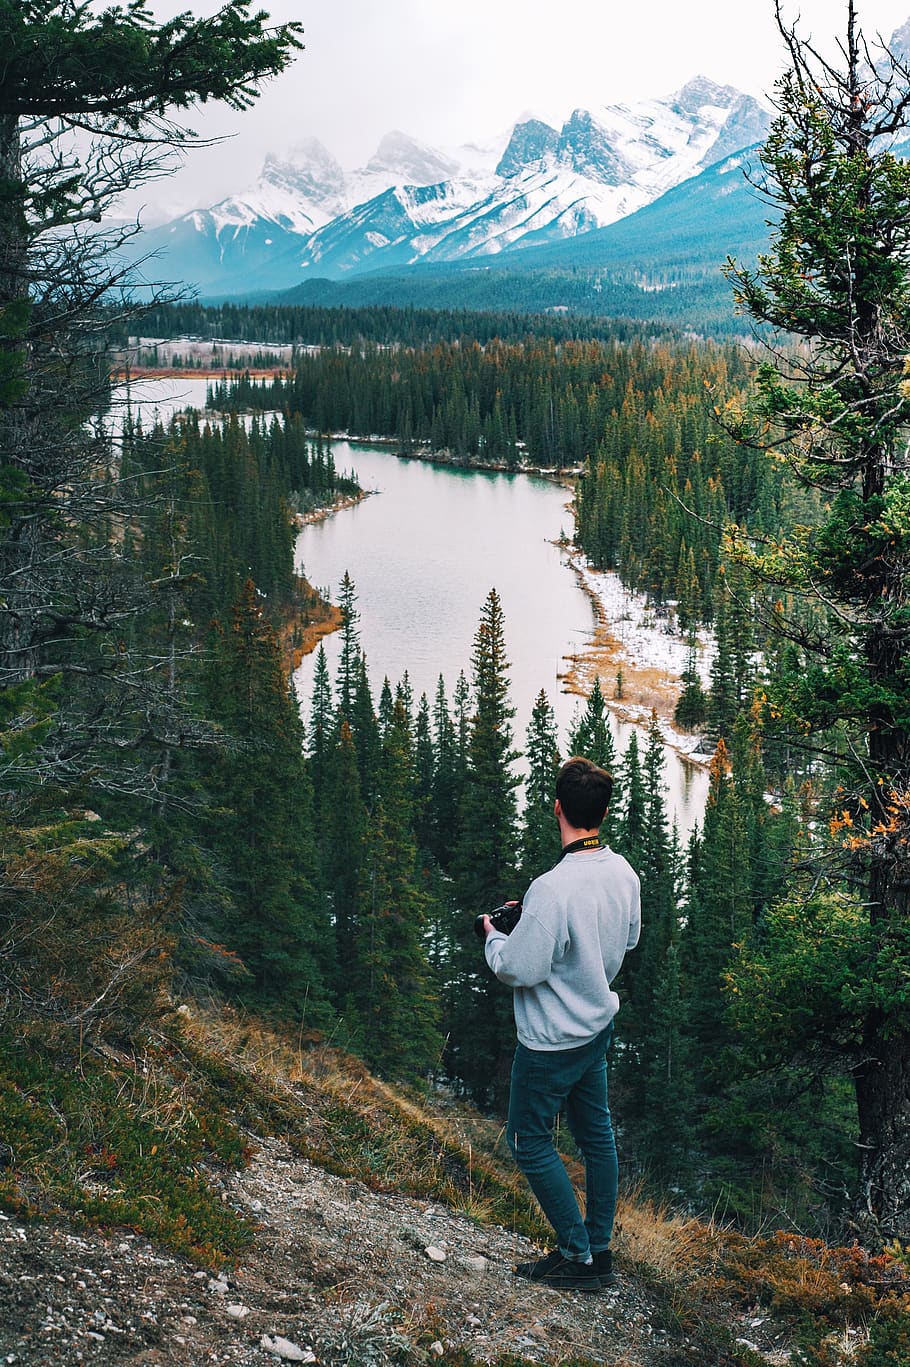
{"x":425,"y":551}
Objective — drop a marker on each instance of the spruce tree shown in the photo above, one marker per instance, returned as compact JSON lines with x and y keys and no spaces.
{"x":424,"y":770}
{"x":322,"y":727}
{"x":691,"y":706}
{"x":388,"y":977}
{"x":448,"y":779}
{"x":630,"y":831}
{"x":540,"y":842}
{"x":644,"y":970}
{"x":264,"y":838}
{"x":482,"y":1038}
{"x":349,"y":659}
{"x":343,"y":829}
{"x":722,"y":703}
{"x":592,"y":737}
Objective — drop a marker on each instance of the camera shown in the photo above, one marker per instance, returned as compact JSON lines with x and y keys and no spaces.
{"x":504,"y":918}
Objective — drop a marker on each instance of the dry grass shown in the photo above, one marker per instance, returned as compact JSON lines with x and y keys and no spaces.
{"x":304,"y":623}
{"x":671,"y":1247}
{"x":343,"y":1118}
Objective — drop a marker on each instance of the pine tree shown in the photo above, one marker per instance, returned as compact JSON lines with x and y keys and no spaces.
{"x":321,"y":724}
{"x":366,"y":734}
{"x":349,"y":659}
{"x":645,"y":969}
{"x":722,"y":698}
{"x":264,"y":839}
{"x":448,"y":779}
{"x":540,"y":842}
{"x":424,"y":770}
{"x":343,"y":830}
{"x":630,"y":832}
{"x":592,"y":737}
{"x":720,"y":915}
{"x":481,"y":1042}
{"x":691,"y":707}
{"x":388,"y":975}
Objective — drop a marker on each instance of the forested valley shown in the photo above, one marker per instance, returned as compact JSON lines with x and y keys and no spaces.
{"x":178,"y":834}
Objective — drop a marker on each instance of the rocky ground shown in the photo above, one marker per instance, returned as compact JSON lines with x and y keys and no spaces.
{"x":339,"y":1274}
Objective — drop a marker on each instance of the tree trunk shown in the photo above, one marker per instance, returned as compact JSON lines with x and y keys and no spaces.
{"x":883,"y":1102}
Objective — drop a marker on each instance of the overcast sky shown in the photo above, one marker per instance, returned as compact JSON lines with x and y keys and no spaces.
{"x":455,"y":71}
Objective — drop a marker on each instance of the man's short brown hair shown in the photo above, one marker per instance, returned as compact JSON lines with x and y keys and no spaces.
{"x":584,"y":791}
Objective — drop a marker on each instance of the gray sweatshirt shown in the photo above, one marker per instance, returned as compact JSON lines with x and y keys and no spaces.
{"x":577,"y":922}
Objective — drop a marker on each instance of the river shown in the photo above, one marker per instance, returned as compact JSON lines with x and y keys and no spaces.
{"x":424,"y":550}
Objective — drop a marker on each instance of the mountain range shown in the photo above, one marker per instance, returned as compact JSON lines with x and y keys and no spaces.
{"x":536,"y":191}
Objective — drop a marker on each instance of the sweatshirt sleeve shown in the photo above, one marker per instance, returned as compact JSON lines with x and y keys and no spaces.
{"x":635,"y":917}
{"x":524,"y":958}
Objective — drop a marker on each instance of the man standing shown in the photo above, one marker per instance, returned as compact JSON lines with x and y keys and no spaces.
{"x":578,"y":920}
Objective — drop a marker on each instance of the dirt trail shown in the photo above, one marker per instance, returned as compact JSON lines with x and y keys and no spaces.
{"x":339,"y":1274}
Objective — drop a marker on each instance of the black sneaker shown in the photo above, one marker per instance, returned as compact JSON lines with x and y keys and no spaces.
{"x":566,"y":1274}
{"x":603,"y":1266}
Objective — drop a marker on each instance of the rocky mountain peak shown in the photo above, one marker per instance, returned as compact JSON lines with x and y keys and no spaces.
{"x":746,"y":124}
{"x":405,"y":160}
{"x":585,"y":145}
{"x":899,"y":42}
{"x":308,"y":170}
{"x":691,"y":98}
{"x":531,"y":142}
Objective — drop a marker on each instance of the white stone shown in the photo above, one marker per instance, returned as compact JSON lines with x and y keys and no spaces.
{"x":435,"y":1255}
{"x":237,"y":1311}
{"x":437,"y":1349}
{"x":284,"y":1349}
{"x":478,"y":1264}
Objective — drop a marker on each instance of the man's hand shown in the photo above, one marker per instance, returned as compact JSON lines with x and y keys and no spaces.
{"x":487,"y":926}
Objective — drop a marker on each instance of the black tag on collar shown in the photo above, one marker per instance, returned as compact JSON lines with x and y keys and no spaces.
{"x":588,"y":842}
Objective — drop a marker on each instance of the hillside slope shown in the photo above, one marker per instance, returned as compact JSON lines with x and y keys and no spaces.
{"x":366,"y":1226}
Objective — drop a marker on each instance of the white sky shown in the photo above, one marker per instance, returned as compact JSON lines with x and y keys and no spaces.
{"x":455,"y":71}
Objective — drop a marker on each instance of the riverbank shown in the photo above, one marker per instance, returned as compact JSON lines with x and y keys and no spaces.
{"x":636,"y":654}
{"x":304,"y":621}
{"x":137,"y":373}
{"x":310,"y":617}
{"x":343,"y":501}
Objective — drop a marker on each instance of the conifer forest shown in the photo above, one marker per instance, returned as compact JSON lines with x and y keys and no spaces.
{"x":175,"y":827}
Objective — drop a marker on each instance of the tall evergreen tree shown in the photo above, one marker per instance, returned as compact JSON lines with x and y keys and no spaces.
{"x":322,"y":727}
{"x":349,"y":659}
{"x":540,"y":843}
{"x":448,"y":779}
{"x":343,"y":829}
{"x":388,"y":976}
{"x":691,"y":708}
{"x":592,"y":737}
{"x":265,"y":838}
{"x":481,"y":1042}
{"x":630,"y":832}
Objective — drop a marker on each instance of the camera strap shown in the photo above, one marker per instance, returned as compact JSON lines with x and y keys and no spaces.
{"x":588,"y":842}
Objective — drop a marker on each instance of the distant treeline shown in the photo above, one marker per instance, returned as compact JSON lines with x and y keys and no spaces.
{"x":661,"y":476}
{"x":307,"y":325}
{"x":694,"y":298}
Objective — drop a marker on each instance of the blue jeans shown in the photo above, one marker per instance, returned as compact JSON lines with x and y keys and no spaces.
{"x":543,"y":1083}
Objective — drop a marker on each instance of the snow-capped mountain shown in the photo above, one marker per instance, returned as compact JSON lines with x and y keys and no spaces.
{"x":549,"y":184}
{"x":307,"y":217}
